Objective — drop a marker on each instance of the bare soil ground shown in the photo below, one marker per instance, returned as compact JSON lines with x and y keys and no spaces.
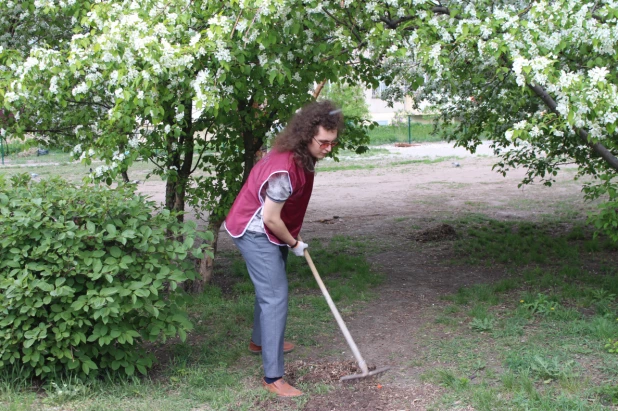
{"x":399,"y":209}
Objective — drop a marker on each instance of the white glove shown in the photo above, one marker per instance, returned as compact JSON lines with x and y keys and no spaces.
{"x":299,"y":250}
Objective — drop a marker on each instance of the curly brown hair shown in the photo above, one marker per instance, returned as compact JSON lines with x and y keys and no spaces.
{"x":301,"y":129}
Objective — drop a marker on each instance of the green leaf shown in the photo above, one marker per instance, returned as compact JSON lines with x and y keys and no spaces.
{"x":111,"y":229}
{"x":128,"y":234}
{"x":126,"y":259}
{"x":73,"y":364}
{"x":105,"y":292}
{"x":44,"y":286}
{"x":98,"y":253}
{"x":97,"y":266}
{"x":77,"y":305}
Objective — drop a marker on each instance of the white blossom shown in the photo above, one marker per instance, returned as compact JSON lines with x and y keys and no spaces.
{"x":195,"y":39}
{"x":610,"y":117}
{"x":10,"y":96}
{"x":99,"y":171}
{"x":598,"y":74}
{"x":520,"y":125}
{"x":133,"y":142}
{"x":81,"y":88}
{"x":118,"y":156}
{"x":535,"y":131}
{"x":223,"y":54}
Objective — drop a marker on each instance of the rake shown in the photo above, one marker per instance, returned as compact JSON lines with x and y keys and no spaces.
{"x":344,"y":329}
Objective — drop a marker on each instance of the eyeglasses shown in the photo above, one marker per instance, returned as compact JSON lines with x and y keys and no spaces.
{"x":325,"y":144}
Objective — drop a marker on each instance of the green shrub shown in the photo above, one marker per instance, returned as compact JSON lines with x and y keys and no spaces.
{"x":86,"y":275}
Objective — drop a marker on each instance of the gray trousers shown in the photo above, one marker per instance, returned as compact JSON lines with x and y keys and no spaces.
{"x":266,"y":265}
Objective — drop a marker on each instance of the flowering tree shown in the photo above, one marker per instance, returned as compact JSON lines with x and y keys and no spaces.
{"x":139,"y":78}
{"x":535,"y":77}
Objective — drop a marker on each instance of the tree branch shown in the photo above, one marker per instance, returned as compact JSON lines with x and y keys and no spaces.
{"x":88,"y":103}
{"x":51,"y":130}
{"x":443,"y":10}
{"x":199,"y":158}
{"x":393,"y":24}
{"x":598,"y":148}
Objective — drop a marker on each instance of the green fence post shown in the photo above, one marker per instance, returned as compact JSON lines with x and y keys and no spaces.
{"x":409,"y":130}
{"x":2,"y":150}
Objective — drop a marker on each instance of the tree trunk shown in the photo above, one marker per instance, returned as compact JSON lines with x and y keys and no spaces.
{"x":252,"y":145}
{"x":175,"y":191}
{"x":207,"y":264}
{"x":318,"y":89}
{"x":175,"y":196}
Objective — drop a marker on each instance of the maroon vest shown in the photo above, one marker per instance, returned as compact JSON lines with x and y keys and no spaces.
{"x":248,"y":202}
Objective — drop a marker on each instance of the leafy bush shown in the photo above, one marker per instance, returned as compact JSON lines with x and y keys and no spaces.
{"x":86,"y":275}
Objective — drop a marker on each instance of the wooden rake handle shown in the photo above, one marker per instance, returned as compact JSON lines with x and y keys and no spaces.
{"x":344,"y":329}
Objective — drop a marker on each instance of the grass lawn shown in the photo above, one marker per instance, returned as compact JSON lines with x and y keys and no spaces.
{"x":539,"y":339}
{"x":419,"y":132}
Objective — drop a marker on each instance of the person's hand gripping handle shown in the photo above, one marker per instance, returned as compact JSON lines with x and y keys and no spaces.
{"x":299,"y":249}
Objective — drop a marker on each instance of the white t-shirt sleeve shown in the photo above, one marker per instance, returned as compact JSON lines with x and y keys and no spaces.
{"x":278,"y":187}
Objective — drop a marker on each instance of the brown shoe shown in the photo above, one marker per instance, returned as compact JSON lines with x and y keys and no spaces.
{"x":257,"y":349}
{"x":282,"y":388}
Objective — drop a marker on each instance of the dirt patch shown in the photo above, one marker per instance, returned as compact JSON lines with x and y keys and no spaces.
{"x":440,"y":233}
{"x":405,"y":145}
{"x":301,"y":371}
{"x":361,"y":394}
{"x":370,"y":397}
